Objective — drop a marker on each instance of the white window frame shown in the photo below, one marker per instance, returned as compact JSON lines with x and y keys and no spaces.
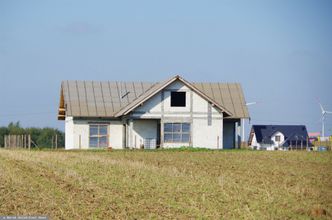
{"x":99,"y":136}
{"x":181,"y":132}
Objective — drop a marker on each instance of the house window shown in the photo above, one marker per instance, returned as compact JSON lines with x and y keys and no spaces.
{"x":277,"y":138}
{"x":176,"y":132}
{"x":98,"y":136}
{"x":178,"y":99}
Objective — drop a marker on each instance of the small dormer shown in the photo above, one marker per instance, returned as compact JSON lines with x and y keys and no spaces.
{"x":278,"y":138}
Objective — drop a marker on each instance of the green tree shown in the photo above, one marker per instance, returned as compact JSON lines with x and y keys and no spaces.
{"x":3,"y":131}
{"x":42,"y":137}
{"x":15,"y":128}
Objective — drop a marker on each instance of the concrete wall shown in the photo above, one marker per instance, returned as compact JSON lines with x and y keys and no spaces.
{"x":195,"y":112}
{"x":77,"y":133}
{"x":152,"y":105}
{"x":115,"y":134}
{"x":143,"y":129}
{"x":69,"y":133}
{"x":81,"y":134}
{"x":207,"y":136}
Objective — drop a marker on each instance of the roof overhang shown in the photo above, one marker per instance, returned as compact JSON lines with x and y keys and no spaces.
{"x":62,"y":109}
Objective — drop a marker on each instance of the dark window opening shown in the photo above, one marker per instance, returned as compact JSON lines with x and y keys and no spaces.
{"x":277,"y":138}
{"x":178,"y":99}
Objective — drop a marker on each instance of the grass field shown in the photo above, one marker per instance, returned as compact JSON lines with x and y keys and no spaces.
{"x":166,"y":184}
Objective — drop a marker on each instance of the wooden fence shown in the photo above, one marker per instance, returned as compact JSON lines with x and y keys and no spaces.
{"x":25,"y":141}
{"x":17,"y":141}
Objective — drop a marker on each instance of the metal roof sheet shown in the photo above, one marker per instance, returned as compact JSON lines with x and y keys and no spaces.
{"x":229,"y":95}
{"x":113,"y":98}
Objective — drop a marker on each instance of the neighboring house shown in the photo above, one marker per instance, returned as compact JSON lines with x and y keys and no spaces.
{"x":313,"y":136}
{"x":166,"y":114}
{"x":273,"y":137}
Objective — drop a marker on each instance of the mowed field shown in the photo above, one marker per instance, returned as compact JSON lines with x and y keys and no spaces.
{"x":166,"y":184}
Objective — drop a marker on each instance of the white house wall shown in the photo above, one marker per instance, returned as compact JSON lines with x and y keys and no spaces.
{"x":143,"y":129}
{"x":195,"y":112}
{"x":255,"y":144}
{"x":77,"y":133}
{"x":152,"y":105}
{"x":69,"y":133}
{"x":205,"y":135}
{"x":282,"y":139}
{"x":115,"y":134}
{"x":272,"y":146}
{"x":81,"y":135}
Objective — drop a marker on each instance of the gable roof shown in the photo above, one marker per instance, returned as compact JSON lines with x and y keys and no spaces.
{"x":114,"y":99}
{"x":160,"y":86}
{"x":291,"y":132}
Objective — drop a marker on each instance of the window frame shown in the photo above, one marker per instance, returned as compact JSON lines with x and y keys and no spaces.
{"x":277,"y":137}
{"x":173,"y":135}
{"x":99,"y":136}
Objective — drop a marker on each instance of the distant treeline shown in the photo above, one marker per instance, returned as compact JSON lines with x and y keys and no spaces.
{"x":42,"y":137}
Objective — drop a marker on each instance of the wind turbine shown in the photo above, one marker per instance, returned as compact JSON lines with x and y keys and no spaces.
{"x":242,"y":120}
{"x":324,"y":113}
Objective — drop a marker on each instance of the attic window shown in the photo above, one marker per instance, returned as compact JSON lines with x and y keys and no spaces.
{"x":277,"y":138}
{"x":178,"y":99}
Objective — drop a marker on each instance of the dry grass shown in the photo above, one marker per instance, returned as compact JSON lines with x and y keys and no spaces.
{"x":166,"y":184}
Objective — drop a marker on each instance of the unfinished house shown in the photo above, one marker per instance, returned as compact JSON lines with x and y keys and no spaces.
{"x":170,"y":114}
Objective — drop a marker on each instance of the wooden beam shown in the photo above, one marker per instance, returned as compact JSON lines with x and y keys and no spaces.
{"x":61,"y":117}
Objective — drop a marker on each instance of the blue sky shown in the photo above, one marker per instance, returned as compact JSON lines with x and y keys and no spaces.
{"x":280,"y":51}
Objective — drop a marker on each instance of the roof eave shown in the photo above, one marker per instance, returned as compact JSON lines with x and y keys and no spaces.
{"x":61,"y":109}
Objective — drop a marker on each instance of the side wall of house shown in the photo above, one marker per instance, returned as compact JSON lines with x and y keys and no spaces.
{"x":254,"y":143}
{"x":69,"y":133}
{"x":205,"y":136}
{"x":77,"y":132}
{"x":116,"y":134}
